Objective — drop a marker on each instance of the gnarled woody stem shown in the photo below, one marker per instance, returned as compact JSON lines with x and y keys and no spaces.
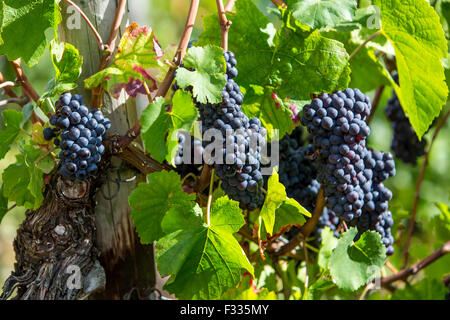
{"x":55,"y":246}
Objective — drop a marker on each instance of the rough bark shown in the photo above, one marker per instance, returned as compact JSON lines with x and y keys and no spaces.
{"x":56,"y":256}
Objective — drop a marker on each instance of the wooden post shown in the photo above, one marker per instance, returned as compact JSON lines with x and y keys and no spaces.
{"x":129,"y":266}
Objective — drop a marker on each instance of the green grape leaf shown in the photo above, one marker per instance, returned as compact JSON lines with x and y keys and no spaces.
{"x":413,"y":27}
{"x":310,"y":63}
{"x":445,"y":10}
{"x":208,"y":78}
{"x":367,"y":71}
{"x":37,"y":134}
{"x":23,"y":27}
{"x":12,"y":120}
{"x":152,"y":200}
{"x":275,"y":197}
{"x":158,"y":123}
{"x":227,"y":215}
{"x":23,"y":180}
{"x":289,"y":214}
{"x":176,"y":219}
{"x":3,"y":205}
{"x":204,"y":261}
{"x":247,"y":291}
{"x":264,"y":104}
{"x":138,"y":50}
{"x":155,"y":122}
{"x":27,"y":111}
{"x":67,"y":63}
{"x":45,"y":163}
{"x":329,"y":242}
{"x":322,"y":13}
{"x":352,"y":264}
{"x":279,"y":212}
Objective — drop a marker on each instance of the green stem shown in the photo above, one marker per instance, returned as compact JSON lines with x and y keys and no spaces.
{"x":373,"y":36}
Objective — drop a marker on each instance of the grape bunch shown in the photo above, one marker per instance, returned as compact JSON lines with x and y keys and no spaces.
{"x":81,"y":133}
{"x":405,"y":143}
{"x":351,"y":174}
{"x":338,"y":128}
{"x":237,"y":163}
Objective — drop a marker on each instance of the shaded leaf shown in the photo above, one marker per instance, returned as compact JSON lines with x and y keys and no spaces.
{"x":426,"y":289}
{"x":264,"y":104}
{"x":152,"y":200}
{"x":3,"y":205}
{"x":12,"y":120}
{"x":318,"y":288}
{"x":23,"y":180}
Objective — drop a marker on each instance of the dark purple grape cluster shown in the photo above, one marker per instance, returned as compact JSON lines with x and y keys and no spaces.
{"x":405,"y":143}
{"x":339,"y":131}
{"x":81,"y":132}
{"x":350,"y":173}
{"x":242,"y":139}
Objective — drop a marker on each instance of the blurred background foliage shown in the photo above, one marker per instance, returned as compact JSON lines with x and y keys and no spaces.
{"x":167,"y":18}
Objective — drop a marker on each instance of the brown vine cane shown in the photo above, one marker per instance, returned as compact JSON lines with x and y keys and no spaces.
{"x":55,"y":246}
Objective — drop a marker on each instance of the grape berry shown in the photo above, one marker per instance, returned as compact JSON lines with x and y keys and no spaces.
{"x":351,"y":174}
